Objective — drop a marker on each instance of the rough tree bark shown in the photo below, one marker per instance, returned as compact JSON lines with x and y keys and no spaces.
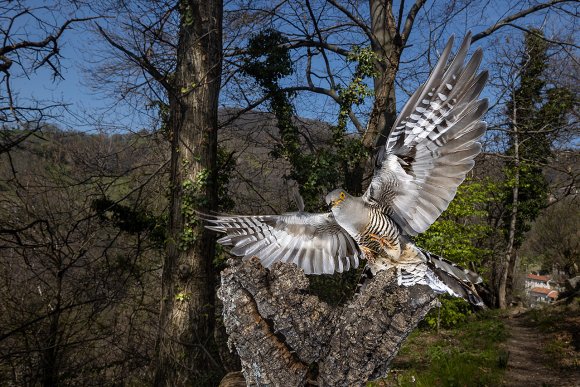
{"x":285,"y":336}
{"x":387,"y":45}
{"x":388,"y":36}
{"x":187,"y":317}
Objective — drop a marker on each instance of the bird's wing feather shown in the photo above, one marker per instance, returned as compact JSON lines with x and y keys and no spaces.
{"x":314,"y":242}
{"x":433,"y":143}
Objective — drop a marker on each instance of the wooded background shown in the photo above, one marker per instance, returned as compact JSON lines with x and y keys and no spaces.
{"x":108,"y":277}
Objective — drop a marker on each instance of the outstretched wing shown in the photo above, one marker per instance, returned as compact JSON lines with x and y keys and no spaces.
{"x":314,"y":242}
{"x":433,"y":143}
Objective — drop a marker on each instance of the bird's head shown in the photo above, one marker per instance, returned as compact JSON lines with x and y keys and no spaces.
{"x":335,"y":198}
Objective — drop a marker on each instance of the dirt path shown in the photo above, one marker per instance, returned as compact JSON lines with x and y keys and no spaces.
{"x":528,"y":363}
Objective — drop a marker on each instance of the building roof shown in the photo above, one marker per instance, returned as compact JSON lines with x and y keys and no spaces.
{"x":553,"y":294}
{"x":544,"y":278}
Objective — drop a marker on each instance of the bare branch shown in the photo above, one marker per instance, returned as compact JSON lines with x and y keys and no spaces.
{"x":319,"y":44}
{"x":140,"y":60}
{"x":43,"y":43}
{"x":362,"y":24}
{"x":410,"y":20}
{"x":318,"y":90}
{"x":508,"y":19}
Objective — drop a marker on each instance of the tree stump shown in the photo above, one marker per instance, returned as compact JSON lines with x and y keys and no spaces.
{"x":287,"y":337}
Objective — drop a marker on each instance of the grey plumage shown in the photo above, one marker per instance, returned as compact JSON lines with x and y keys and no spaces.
{"x":428,"y":153}
{"x":433,"y":144}
{"x":314,"y":242}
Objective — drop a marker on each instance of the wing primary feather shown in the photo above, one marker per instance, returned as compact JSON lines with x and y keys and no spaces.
{"x":433,"y":142}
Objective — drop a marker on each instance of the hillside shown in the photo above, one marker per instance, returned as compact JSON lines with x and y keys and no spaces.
{"x":82,"y":220}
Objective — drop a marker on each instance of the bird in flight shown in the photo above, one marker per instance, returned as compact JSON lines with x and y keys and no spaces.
{"x":427,"y":155}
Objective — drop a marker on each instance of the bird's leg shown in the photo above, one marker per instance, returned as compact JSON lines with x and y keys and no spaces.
{"x":392,"y":248}
{"x":384,"y":242}
{"x":384,"y":252}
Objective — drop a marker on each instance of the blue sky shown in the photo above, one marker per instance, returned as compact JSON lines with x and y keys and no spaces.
{"x":84,"y":106}
{"x":73,"y":88}
{"x":76,"y":48}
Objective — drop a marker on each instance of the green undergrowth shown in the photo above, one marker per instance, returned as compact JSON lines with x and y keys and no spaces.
{"x":468,"y":355}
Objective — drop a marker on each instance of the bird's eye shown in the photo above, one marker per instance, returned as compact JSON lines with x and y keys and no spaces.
{"x":342,"y":195}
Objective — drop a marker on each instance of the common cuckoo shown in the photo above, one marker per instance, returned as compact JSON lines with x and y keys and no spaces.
{"x":427,"y":155}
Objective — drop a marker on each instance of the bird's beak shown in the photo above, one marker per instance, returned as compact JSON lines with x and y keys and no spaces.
{"x":335,"y":202}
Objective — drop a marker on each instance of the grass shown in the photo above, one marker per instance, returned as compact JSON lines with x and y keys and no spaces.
{"x":470,"y":355}
{"x":560,"y":324}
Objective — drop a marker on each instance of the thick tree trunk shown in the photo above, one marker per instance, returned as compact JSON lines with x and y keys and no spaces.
{"x":285,"y":336}
{"x":387,"y":46}
{"x":185,"y":339}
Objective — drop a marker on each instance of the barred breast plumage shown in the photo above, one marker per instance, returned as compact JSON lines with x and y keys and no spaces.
{"x":429,"y":151}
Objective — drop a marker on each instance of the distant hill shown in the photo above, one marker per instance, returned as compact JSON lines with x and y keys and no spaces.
{"x":258,"y":184}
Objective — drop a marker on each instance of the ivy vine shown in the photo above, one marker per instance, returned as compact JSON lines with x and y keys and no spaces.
{"x":268,"y":61}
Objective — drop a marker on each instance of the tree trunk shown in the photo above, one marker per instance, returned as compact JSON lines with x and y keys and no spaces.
{"x":285,"y":336}
{"x":505,"y":267}
{"x":185,"y":338}
{"x":387,"y":46}
{"x":511,"y":278}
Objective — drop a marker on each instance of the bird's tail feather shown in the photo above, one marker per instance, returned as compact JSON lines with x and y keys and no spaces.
{"x":452,"y":268}
{"x":446,"y":277}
